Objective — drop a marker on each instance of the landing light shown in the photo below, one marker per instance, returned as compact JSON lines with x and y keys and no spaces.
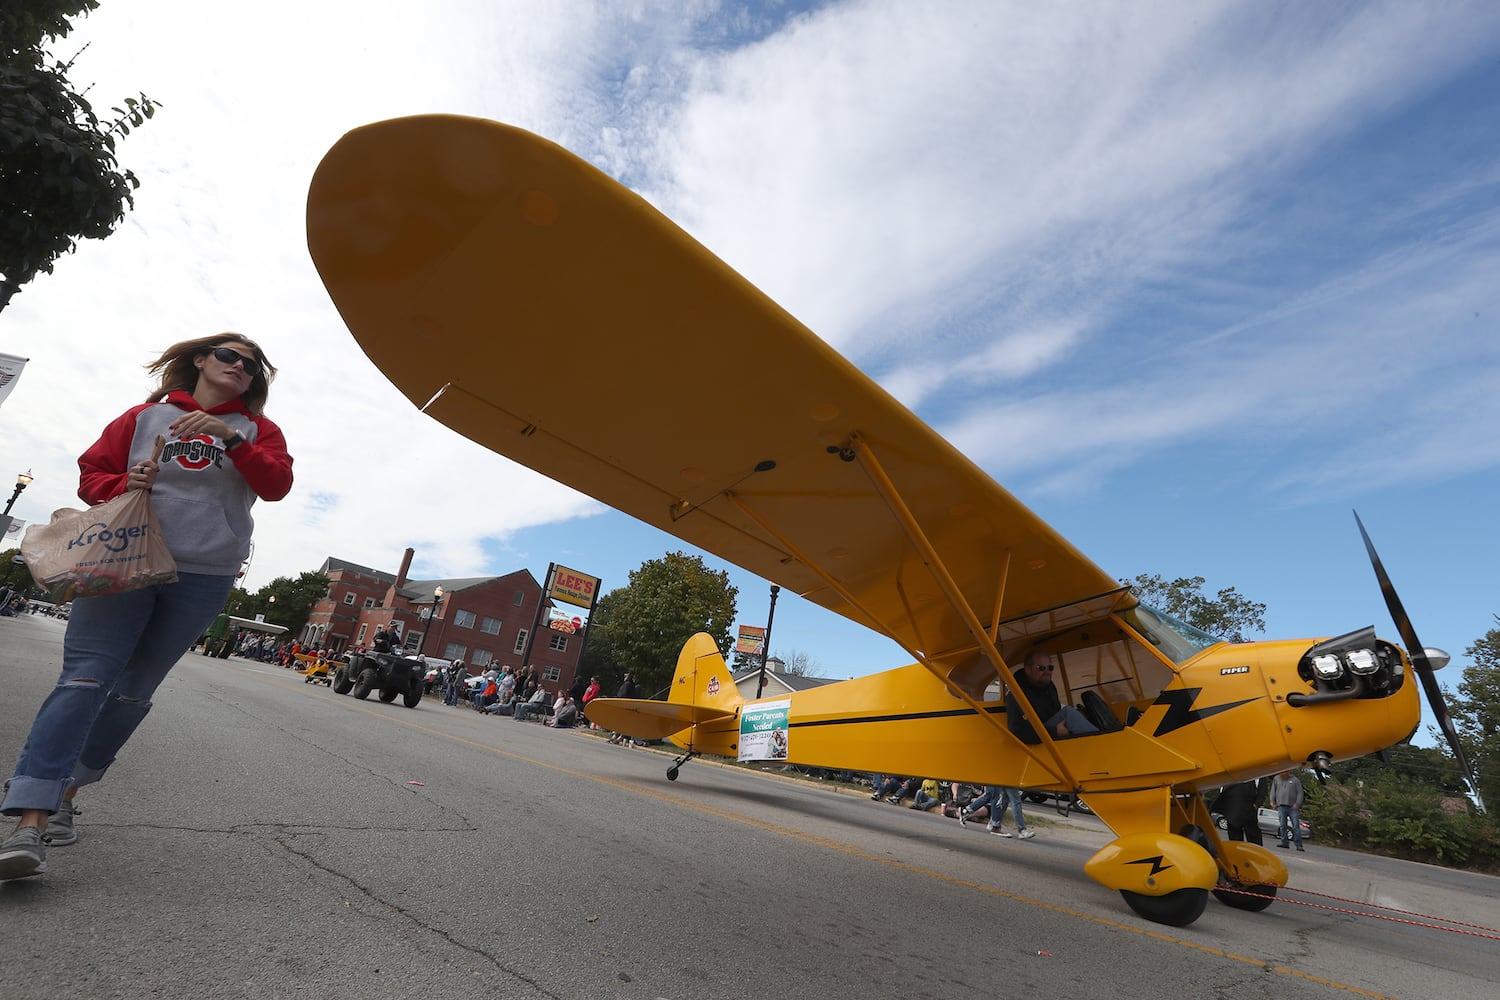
{"x":1327,"y":667}
{"x":1362,"y":661}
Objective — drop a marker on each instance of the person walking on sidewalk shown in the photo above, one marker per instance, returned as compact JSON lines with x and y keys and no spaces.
{"x":221,"y":454}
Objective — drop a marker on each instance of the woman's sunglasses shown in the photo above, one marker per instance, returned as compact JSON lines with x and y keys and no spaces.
{"x":229,"y":357}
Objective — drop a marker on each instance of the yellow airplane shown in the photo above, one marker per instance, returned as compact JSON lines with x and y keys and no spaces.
{"x":523,"y":298}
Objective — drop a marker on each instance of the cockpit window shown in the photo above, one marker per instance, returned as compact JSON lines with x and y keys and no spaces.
{"x":1174,"y":638}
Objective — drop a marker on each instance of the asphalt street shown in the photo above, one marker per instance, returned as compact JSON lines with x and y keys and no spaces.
{"x":263,"y":838}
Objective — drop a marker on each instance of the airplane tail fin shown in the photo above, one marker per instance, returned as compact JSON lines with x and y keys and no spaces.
{"x":702,"y":693}
{"x":703,"y":678}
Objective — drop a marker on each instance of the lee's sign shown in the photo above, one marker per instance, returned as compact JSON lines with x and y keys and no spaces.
{"x":573,"y":587}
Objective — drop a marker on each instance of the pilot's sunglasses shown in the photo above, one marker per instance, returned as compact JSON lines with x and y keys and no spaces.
{"x":229,"y":357}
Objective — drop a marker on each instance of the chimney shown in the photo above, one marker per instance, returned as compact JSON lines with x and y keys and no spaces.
{"x":405,"y":565}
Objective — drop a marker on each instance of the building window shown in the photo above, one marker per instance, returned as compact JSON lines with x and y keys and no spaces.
{"x":361,"y":637}
{"x":463,"y":619}
{"x":482,"y":658}
{"x":520,"y":596}
{"x":551,"y":672}
{"x":369,"y":602}
{"x":455,"y":651}
{"x":349,"y":597}
{"x":559,"y":642}
{"x":489,"y":626}
{"x":521,"y":641}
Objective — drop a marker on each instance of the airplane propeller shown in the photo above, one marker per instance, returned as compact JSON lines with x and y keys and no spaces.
{"x":1421,"y":662}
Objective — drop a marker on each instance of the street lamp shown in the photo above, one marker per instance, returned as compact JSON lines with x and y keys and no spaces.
{"x":22,"y":481}
{"x":766,"y":649}
{"x":437,"y":602}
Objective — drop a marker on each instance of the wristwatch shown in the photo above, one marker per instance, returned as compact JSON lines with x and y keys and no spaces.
{"x":233,"y":441}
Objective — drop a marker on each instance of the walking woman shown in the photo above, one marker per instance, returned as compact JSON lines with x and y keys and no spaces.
{"x":202,"y":446}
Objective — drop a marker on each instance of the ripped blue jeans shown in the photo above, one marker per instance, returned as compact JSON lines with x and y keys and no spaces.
{"x":117,"y":650}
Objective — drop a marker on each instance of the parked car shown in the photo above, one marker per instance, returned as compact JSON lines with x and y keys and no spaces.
{"x":1064,"y":802}
{"x":1269,"y":821}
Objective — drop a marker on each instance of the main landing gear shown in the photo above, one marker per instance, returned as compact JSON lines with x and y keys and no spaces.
{"x":686,"y":756}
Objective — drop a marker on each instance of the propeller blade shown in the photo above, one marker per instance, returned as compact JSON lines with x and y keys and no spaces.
{"x":1417,"y":653}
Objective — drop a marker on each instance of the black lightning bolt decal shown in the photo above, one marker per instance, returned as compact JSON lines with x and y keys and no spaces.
{"x":1180,"y":711}
{"x":1156,"y":866}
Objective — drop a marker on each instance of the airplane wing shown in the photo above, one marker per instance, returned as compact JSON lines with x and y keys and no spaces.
{"x":536,"y":306}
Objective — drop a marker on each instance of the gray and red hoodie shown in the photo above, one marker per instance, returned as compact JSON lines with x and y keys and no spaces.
{"x":203,"y":493}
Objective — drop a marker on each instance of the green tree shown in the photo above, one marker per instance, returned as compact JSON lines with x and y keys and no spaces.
{"x":294,"y":600}
{"x":14,"y":571}
{"x":1229,"y":615}
{"x":59,"y":179}
{"x":1476,"y":713}
{"x":640,"y":628}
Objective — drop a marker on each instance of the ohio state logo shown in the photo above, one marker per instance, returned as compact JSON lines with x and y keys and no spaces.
{"x":713,"y":686}
{"x":195,"y":453}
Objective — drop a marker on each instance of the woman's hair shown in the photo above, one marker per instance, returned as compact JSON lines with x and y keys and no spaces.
{"x":177,"y":370}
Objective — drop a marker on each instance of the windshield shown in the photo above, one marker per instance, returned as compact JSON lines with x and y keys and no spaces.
{"x":1176,"y":639}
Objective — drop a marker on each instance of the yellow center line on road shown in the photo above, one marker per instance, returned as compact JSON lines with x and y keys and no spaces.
{"x":843,"y":847}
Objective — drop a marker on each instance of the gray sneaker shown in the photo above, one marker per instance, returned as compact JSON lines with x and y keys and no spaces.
{"x":60,"y":829}
{"x":23,"y":854}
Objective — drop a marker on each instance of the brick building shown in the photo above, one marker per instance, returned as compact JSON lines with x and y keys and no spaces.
{"x":483,"y":620}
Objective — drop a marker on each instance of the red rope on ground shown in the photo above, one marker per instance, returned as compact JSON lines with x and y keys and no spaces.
{"x":1453,"y":926}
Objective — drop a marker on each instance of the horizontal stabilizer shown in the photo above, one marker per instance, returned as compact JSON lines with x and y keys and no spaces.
{"x":642,"y":719}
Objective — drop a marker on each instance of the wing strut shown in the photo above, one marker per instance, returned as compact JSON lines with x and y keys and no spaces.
{"x":934,"y":563}
{"x":977,"y":631}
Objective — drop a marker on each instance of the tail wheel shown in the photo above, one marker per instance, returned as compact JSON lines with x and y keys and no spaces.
{"x":1246,"y":897}
{"x":1175,"y":909}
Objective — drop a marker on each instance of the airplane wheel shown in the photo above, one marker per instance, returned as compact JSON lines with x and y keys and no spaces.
{"x":671,"y":774}
{"x":1246,"y":897}
{"x":1175,"y":909}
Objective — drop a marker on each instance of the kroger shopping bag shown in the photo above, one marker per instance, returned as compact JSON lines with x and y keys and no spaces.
{"x":108,"y":549}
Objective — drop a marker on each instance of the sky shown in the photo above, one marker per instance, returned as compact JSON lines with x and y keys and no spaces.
{"x":1193,"y":280}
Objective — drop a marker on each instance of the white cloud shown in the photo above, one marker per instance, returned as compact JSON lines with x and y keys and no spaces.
{"x":1035,"y":223}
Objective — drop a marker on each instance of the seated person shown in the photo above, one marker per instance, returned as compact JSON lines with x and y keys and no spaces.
{"x":487,"y":696}
{"x":525,"y":709}
{"x":386,"y":640}
{"x":886,"y":785}
{"x":929,"y":795}
{"x":1062,"y":721}
{"x":565,"y":717}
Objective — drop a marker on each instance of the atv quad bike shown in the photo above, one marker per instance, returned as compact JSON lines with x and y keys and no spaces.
{"x":390,"y":675}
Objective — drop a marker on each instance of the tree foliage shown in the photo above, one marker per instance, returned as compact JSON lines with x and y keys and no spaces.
{"x":640,"y":628}
{"x":1476,"y":713}
{"x":14,"y":572}
{"x":798,"y":663}
{"x":59,"y":179}
{"x":294,"y":600}
{"x":1229,"y":615}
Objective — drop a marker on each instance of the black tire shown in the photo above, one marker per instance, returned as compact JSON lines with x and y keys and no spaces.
{"x":364,"y":682}
{"x":1246,"y":897}
{"x":388,"y":695}
{"x":341,"y":682}
{"x":1081,"y":806}
{"x":1175,"y":909}
{"x":414,"y":693}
